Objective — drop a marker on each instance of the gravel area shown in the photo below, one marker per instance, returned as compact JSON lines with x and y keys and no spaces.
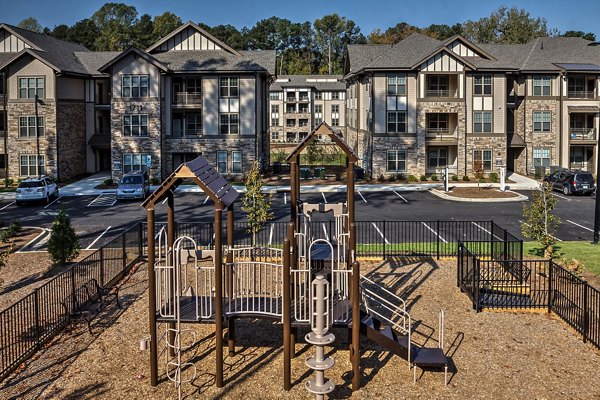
{"x":499,"y":355}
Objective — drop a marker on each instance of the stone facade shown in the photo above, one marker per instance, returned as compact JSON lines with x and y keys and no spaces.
{"x":71,"y":139}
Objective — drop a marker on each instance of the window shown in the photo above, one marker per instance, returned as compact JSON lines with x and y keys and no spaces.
{"x":2,"y":129}
{"x":222,"y":162}
{"x":135,"y":125}
{"x":318,"y":96}
{"x":318,"y":114}
{"x":274,"y":135}
{"x":484,"y":157}
{"x":29,"y":87}
{"x":335,"y":115}
{"x":396,"y":121}
{"x":135,"y":162}
{"x":230,"y":124}
{"x":482,"y":84}
{"x":541,"y":86}
{"x":576,"y":86}
{"x":135,"y":86}
{"x":437,"y":123}
{"x":541,"y":157}
{"x":236,"y":162}
{"x":193,"y":123}
{"x":274,"y":95}
{"x":303,"y":108}
{"x":482,"y":121}
{"x":274,"y":115}
{"x":437,"y":157}
{"x":290,"y":108}
{"x":27,"y":126}
{"x":437,"y":86}
{"x":28,"y":167}
{"x":229,"y":87}
{"x":542,"y":121}
{"x":396,"y":160}
{"x":396,"y":85}
{"x":335,"y":95}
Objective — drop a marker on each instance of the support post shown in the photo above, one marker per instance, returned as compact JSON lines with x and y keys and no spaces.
{"x":152,"y":300}
{"x":550,"y":284}
{"x":229,"y":277}
{"x":287,"y":321}
{"x":597,"y":212}
{"x":355,"y":353}
{"x":170,"y":253}
{"x":219,"y":296}
{"x":586,"y":313}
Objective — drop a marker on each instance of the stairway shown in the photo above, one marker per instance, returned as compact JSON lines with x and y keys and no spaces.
{"x":384,"y":335}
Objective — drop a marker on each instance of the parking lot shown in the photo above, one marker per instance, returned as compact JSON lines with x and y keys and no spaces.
{"x":99,"y":218}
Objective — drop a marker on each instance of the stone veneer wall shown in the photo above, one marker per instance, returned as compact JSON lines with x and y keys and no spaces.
{"x":23,"y":146}
{"x":382,"y":144}
{"x":71,"y":139}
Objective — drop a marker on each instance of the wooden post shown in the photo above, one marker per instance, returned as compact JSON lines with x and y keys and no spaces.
{"x":351,"y":216}
{"x":287,"y":320}
{"x":219,"y":296}
{"x":355,"y":353}
{"x":229,"y":277}
{"x":152,"y":300}
{"x":170,"y":254}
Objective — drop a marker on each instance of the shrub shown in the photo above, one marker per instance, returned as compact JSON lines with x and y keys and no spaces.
{"x":455,"y":178}
{"x":63,"y":245}
{"x":412,"y":178}
{"x":466,"y":178}
{"x":400,"y":177}
{"x":493,"y":177}
{"x":338,"y":176}
{"x":322,"y":174}
{"x":9,"y":181}
{"x":381,"y":178}
{"x":15,"y":226}
{"x":434,"y":177}
{"x":423,"y":178}
{"x":5,"y":235}
{"x":154,"y":181}
{"x":108,"y":182}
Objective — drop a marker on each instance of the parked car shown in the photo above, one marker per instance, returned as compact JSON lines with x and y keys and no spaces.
{"x":571,"y":182}
{"x":133,"y":185}
{"x":36,"y":189}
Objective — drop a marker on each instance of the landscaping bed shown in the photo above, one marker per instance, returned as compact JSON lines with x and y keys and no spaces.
{"x":494,"y":354}
{"x":480,"y":193}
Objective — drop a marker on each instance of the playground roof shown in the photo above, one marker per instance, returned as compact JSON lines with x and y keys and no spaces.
{"x":201,"y":172}
{"x":323,"y":129}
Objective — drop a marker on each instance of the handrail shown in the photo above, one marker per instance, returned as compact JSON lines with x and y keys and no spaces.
{"x":393,"y":295}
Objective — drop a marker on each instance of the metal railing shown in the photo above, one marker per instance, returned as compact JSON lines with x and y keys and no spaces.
{"x":441,"y":93}
{"x":32,"y":321}
{"x":184,"y":98}
{"x":582,"y":133}
{"x":581,"y":94}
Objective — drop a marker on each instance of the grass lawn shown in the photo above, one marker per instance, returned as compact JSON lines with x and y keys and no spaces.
{"x":586,"y":252}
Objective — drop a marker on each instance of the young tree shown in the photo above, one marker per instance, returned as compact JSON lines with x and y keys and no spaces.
{"x":63,"y":244}
{"x":314,"y":152}
{"x":478,"y":170}
{"x":538,"y":221}
{"x":256,"y":204}
{"x":31,"y":24}
{"x":332,"y":34}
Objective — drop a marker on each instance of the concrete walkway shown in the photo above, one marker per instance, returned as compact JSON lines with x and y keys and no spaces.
{"x":86,"y":186}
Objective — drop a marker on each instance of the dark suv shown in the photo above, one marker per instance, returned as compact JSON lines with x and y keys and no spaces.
{"x":570,"y":182}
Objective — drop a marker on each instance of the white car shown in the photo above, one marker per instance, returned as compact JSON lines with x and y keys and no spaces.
{"x":36,"y":189}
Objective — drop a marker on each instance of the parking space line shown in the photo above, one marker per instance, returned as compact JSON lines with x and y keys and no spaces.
{"x":324,"y":198}
{"x":55,"y":200}
{"x":271,"y":234}
{"x":434,"y":232}
{"x":485,"y":230}
{"x":399,"y":195}
{"x":380,"y":233}
{"x":8,"y":205}
{"x":165,"y":200}
{"x":98,"y":238}
{"x":205,"y":200}
{"x":560,"y":197}
{"x":360,"y":194}
{"x":101,"y":201}
{"x":284,"y":198}
{"x":581,"y":226}
{"x":325,"y":230}
{"x":554,"y":237}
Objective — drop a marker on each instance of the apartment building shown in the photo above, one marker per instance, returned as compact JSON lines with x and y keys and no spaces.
{"x":299,"y":103}
{"x":422,"y":105}
{"x":187,"y":95}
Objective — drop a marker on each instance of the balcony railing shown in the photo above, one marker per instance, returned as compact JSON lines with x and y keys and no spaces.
{"x":303,"y":98}
{"x":582,"y":166}
{"x":582,"y":133}
{"x":184,"y":98}
{"x":185,"y":133}
{"x":441,"y":93}
{"x":441,"y":133}
{"x":101,"y":100}
{"x":581,"y":94}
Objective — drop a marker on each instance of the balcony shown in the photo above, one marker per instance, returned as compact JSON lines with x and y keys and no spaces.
{"x":304,"y":97}
{"x":582,"y":134}
{"x":441,"y":86}
{"x":442,"y":93}
{"x":185,"y":133}
{"x":581,"y":94}
{"x":187,"y":98}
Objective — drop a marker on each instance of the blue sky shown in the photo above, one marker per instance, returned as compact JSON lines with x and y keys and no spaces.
{"x":564,"y":15}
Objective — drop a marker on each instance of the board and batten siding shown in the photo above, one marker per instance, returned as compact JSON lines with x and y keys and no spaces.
{"x":411,"y":106}
{"x":210,"y":105}
{"x":459,"y":48}
{"x":247,"y":105}
{"x":469,"y":101}
{"x":188,"y":39}
{"x":380,"y":106}
{"x":442,"y":62}
{"x":9,"y":43}
{"x":499,"y":93}
{"x":130,"y":65}
{"x":28,"y":66}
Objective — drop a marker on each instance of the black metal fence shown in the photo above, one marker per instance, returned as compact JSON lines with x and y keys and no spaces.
{"x":29,"y":323}
{"x":513,"y":283}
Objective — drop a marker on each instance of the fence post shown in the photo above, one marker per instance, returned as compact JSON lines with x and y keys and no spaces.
{"x":550,"y":283}
{"x":474,"y":283}
{"x":437,"y":229}
{"x":101,"y":266}
{"x":123,"y":243}
{"x":586,"y":318}
{"x":140,"y":241}
{"x":492,"y":239}
{"x":459,"y":264}
{"x":505,"y":255}
{"x":38,"y":334}
{"x":384,"y":239}
{"x":73,"y":291}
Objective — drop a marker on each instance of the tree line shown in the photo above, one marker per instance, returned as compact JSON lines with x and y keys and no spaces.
{"x":316,"y":47}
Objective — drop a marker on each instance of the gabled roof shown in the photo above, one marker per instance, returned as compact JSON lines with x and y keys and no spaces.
{"x":92,"y":61}
{"x":137,"y":51}
{"x":192,"y":25}
{"x":21,"y":34}
{"x":470,"y":45}
{"x":217,"y":60}
{"x":33,"y":53}
{"x":443,"y":49}
{"x":323,"y":129}
{"x":201,"y":172}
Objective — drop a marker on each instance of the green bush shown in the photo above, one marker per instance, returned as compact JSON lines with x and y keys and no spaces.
{"x":423,"y":178}
{"x":63,"y":245}
{"x":455,"y":178}
{"x":400,"y":177}
{"x":338,"y":176}
{"x":412,"y":178}
{"x":381,"y":178}
{"x":9,"y":181}
{"x":466,"y":178}
{"x":15,"y":226}
{"x":108,"y":182}
{"x":154,"y":181}
{"x":322,"y":174}
{"x":493,"y":177}
{"x":5,"y":235}
{"x":434,"y":177}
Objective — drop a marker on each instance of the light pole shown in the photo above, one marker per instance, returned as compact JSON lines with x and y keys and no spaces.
{"x":37,"y":137}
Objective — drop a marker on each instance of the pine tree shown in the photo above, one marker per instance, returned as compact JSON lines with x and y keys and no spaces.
{"x":256,"y":204}
{"x":63,"y":244}
{"x":539,"y":223}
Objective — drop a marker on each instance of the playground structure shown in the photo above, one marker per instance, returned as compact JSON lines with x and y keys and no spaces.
{"x":198,"y":283}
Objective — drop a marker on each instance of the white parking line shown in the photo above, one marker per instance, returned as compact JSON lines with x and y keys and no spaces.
{"x":55,"y":200}
{"x":8,"y":205}
{"x":485,"y":230}
{"x":103,"y":200}
{"x":271,"y":234}
{"x":324,"y":199}
{"x":98,"y":238}
{"x":360,"y":194}
{"x":581,"y":226}
{"x":560,"y":197}
{"x":325,"y":230}
{"x":284,"y":198}
{"x":434,"y":232}
{"x":165,"y":200}
{"x":380,"y":233}
{"x":399,"y":195}
{"x":525,"y":223}
{"x":205,"y":200}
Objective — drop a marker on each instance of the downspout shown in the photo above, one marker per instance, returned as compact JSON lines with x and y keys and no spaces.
{"x":55,"y":129}
{"x":560,"y":117}
{"x":5,"y":117}
{"x":525,"y":128}
{"x":466,"y":115}
{"x":372,"y":127}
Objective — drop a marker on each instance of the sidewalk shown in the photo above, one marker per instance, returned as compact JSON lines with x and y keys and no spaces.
{"x":85,"y":187}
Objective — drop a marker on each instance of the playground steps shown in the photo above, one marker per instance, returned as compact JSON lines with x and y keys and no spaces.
{"x":385,"y":336}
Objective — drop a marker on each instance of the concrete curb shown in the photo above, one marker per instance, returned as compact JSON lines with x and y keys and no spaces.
{"x":444,"y":196}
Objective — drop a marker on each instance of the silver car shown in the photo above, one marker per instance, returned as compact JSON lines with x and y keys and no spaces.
{"x":36,"y":189}
{"x":133,"y":185}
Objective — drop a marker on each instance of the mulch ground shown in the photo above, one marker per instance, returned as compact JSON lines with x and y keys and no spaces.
{"x":499,"y":355}
{"x":480,"y":193}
